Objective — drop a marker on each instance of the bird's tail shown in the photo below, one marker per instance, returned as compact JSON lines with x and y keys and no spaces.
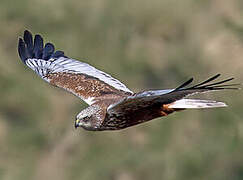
{"x":195,"y":104}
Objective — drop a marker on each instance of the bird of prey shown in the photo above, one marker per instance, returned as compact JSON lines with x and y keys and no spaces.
{"x":112,"y":106}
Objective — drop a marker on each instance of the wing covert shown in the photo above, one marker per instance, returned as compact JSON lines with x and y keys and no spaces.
{"x":81,"y":79}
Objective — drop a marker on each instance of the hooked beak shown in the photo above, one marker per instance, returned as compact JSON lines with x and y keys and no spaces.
{"x":76,"y":123}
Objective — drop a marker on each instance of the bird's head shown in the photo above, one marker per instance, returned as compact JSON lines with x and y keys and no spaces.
{"x":84,"y":122}
{"x":86,"y":119}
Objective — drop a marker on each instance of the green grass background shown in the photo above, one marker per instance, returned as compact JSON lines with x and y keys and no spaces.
{"x":147,"y":45}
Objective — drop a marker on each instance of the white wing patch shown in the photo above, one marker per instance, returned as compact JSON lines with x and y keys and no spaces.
{"x":62,"y":64}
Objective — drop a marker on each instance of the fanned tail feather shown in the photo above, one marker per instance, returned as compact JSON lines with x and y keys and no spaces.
{"x":195,"y":104}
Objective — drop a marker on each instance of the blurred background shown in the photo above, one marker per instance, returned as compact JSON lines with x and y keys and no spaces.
{"x":152,"y":44}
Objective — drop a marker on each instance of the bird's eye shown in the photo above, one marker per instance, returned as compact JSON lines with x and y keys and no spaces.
{"x":86,"y":118}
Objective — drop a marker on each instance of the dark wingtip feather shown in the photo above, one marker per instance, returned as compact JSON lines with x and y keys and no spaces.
{"x":220,"y":82}
{"x":22,"y":50}
{"x":48,"y":51}
{"x":206,"y":86}
{"x":58,"y":54}
{"x":208,"y":80}
{"x":38,"y":46}
{"x":184,"y":84}
{"x":28,"y":48}
{"x":28,"y":39}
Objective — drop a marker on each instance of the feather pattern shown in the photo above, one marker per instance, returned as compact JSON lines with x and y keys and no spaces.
{"x":47,"y":63}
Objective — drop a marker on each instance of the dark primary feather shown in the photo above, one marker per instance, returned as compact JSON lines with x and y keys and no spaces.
{"x":38,"y":46}
{"x":208,"y":80}
{"x":184,"y":84}
{"x":57,"y":54}
{"x":48,"y":51}
{"x":34,"y":50}
{"x":22,"y":50}
{"x":28,"y":39}
{"x":205,"y":86}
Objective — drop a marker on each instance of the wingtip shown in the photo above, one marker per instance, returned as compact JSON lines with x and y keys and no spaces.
{"x":22,"y":50}
{"x":38,"y":46}
{"x":27,"y":36}
{"x":38,"y":37}
{"x":184,"y":84}
{"x":21,"y":40}
{"x":49,"y":45}
{"x":29,"y":48}
{"x":48,"y":50}
{"x":27,"y":32}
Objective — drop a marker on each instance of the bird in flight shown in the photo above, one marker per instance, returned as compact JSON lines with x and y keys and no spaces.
{"x":112,"y":106}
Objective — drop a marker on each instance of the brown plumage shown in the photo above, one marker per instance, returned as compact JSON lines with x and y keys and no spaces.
{"x":85,"y":86}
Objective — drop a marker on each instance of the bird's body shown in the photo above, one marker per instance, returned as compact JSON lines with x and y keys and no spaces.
{"x":112,"y":105}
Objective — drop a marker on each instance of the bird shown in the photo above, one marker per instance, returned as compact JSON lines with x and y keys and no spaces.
{"x":112,"y":106}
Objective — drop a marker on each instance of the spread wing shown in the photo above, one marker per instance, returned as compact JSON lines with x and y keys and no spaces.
{"x":81,"y":79}
{"x":146,"y":100}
